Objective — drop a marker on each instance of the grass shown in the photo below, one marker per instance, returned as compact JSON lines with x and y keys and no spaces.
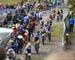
{"x":37,"y":57}
{"x":33,"y":57}
{"x":8,"y":2}
{"x":57,"y":31}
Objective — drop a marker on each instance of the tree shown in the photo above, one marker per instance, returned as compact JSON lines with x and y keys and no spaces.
{"x":71,"y":2}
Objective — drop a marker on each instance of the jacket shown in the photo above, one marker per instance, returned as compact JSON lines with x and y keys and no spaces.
{"x":71,"y":20}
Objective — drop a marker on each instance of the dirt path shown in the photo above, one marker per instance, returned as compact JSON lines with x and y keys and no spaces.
{"x":55,"y":44}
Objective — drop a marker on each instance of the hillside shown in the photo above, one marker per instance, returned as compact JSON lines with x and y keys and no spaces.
{"x":10,"y":1}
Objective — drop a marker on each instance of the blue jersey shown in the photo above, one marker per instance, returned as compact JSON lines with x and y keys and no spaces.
{"x":71,"y":21}
{"x":21,"y":27}
{"x":26,"y":19}
{"x":29,"y":49}
{"x":37,"y":35}
{"x":48,"y":29}
{"x":37,"y":16}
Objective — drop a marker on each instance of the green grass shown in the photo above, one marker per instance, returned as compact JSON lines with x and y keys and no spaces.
{"x":33,"y":57}
{"x":10,"y":1}
{"x":37,"y":57}
{"x":57,"y":31}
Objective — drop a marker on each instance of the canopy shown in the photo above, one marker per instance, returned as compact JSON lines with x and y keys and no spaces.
{"x":6,"y":30}
{"x":4,"y":33}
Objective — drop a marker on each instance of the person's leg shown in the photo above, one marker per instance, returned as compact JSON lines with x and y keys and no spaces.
{"x":29,"y":37}
{"x":49,"y":37}
{"x":72,"y":27}
{"x":29,"y":58}
{"x":61,"y":16}
{"x":26,"y":56}
{"x":43,"y":40}
{"x":57,"y":18}
{"x":18,"y":48}
{"x":21,"y":44}
{"x":37,"y":48}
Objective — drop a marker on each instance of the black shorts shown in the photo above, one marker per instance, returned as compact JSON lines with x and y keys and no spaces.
{"x":36,"y":38}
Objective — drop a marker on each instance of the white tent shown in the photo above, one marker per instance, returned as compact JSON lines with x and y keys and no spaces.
{"x":4,"y":33}
{"x":5,"y":30}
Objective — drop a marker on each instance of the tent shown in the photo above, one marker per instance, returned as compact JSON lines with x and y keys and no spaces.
{"x":4,"y":33}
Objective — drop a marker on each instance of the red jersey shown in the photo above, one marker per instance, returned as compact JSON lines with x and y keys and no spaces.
{"x":14,"y":30}
{"x":33,"y":24}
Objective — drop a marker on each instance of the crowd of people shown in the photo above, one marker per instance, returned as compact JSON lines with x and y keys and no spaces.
{"x":20,"y":5}
{"x":27,"y":6}
{"x":24,"y":31}
{"x":24,"y":25}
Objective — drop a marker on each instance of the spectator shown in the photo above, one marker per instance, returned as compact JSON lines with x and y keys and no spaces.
{"x":48,"y":31}
{"x":58,"y":15}
{"x":28,"y":51}
{"x":30,"y":29}
{"x":37,"y":16}
{"x":40,"y":15}
{"x":43,"y":35}
{"x":54,"y":13}
{"x":11,"y":54}
{"x":71,"y":24}
{"x":20,"y":42}
{"x":37,"y":35}
{"x":26,"y":19}
{"x":26,"y":36}
{"x":32,"y":23}
{"x":61,"y":14}
{"x":42,"y":24}
{"x":50,"y":19}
